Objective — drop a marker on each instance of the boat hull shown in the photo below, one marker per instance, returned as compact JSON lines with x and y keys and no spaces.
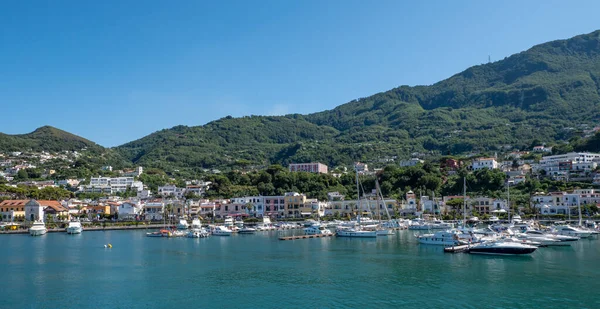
{"x":74,"y":230}
{"x":37,"y":232}
{"x":358,"y":234}
{"x":502,"y":251}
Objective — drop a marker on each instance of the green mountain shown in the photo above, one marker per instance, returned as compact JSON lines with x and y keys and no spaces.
{"x":46,"y":138}
{"x":549,"y":93}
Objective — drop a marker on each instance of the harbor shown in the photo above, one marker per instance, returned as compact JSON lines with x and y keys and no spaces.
{"x":319,"y":272}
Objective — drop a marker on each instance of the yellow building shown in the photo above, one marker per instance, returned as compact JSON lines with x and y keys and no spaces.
{"x":294,"y":202}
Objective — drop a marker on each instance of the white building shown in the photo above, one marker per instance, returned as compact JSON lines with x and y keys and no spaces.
{"x":481,"y":163}
{"x":112,"y":185}
{"x":411,"y":162}
{"x":171,"y":190}
{"x":129,"y":211}
{"x":154,"y":210}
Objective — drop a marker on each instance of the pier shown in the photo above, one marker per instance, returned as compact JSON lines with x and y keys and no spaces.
{"x":305,"y":236}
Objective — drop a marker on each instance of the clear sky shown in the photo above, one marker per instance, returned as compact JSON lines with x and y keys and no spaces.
{"x":115,"y":71}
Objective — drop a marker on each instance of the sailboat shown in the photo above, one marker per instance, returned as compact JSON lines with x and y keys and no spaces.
{"x":381,"y":229}
{"x":357,"y":230}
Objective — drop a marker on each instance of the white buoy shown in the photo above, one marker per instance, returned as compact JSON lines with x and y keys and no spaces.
{"x":104,"y":246}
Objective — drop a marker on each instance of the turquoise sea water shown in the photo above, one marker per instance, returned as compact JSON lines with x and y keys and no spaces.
{"x":260,"y":271}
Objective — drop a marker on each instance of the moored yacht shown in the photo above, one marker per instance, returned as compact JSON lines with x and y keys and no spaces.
{"x":74,"y":227}
{"x":317,"y":229}
{"x":493,"y":219}
{"x":197,"y":233}
{"x":38,"y":228}
{"x":355,"y":232}
{"x":572,"y":231}
{"x":266,"y":225}
{"x":220,"y":230}
{"x":182,"y":225}
{"x":196,"y":224}
{"x":441,"y":238}
{"x":501,"y":248}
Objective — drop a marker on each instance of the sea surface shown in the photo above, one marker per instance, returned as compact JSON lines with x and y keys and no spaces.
{"x":259,"y":271}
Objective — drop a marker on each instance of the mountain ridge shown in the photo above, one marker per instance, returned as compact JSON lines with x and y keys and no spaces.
{"x":549,"y":93}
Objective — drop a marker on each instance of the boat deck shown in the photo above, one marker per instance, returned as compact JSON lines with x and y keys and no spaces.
{"x":305,"y":236}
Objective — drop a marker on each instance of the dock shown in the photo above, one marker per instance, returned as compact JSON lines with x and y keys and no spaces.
{"x":305,"y":236}
{"x":456,"y":249}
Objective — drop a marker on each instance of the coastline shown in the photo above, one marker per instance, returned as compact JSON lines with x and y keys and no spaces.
{"x":95,"y":228}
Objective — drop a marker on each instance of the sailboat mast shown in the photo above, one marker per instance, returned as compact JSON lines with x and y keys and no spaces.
{"x":465,"y":202}
{"x":359,"y":205}
{"x":508,"y":199}
{"x":579,"y":207}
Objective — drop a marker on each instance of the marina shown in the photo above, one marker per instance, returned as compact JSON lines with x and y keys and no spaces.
{"x":315,"y":270}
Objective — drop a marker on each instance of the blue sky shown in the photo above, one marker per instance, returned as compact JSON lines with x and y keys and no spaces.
{"x":115,"y":71}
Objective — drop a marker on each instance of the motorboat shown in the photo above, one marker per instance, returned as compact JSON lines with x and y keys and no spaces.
{"x":516,"y":219}
{"x":246,"y":230}
{"x":473,"y":220}
{"x":500,"y":247}
{"x":161,"y":233}
{"x":196,"y":224}
{"x":544,"y":240}
{"x":317,"y":229}
{"x":182,"y":225}
{"x":266,"y":225}
{"x":38,"y":228}
{"x":562,"y":238}
{"x":228,"y":222}
{"x":429,"y":225}
{"x":441,"y":238}
{"x":355,"y":232}
{"x":220,"y":230}
{"x":384,"y":231}
{"x":74,"y":227}
{"x":493,"y":219}
{"x":572,"y":231}
{"x":197,"y":233}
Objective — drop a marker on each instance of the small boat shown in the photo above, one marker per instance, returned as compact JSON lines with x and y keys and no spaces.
{"x":493,"y":219}
{"x":573,"y":231}
{"x":38,"y":228}
{"x":196,"y":224}
{"x":441,"y":238}
{"x":182,"y":225}
{"x":317,"y":229}
{"x":501,"y":248}
{"x":246,"y":230}
{"x":197,"y":233}
{"x":355,"y":232}
{"x":220,"y":230}
{"x":161,"y":233}
{"x":74,"y":227}
{"x":384,"y":232}
{"x":266,"y":225}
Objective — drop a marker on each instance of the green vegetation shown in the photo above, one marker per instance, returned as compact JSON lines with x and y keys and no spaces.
{"x":547,"y":94}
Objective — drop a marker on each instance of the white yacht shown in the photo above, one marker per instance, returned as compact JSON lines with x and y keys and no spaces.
{"x":317,"y":229}
{"x":493,"y":219}
{"x":74,"y":227}
{"x":182,"y":225}
{"x":197,"y":233}
{"x":266,"y":225}
{"x":516,"y":219}
{"x":566,"y":240}
{"x":220,"y":230}
{"x":355,"y":232}
{"x":38,"y":228}
{"x":441,"y":238}
{"x":572,"y":231}
{"x":196,"y":224}
{"x":246,"y":230}
{"x":501,"y":248}
{"x":228,"y":221}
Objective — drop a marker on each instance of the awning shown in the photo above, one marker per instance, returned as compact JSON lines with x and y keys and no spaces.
{"x":306,"y":213}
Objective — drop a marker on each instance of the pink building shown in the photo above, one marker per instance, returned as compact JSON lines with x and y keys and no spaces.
{"x":309,"y":167}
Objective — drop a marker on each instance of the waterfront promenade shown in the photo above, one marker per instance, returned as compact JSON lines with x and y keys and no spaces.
{"x":95,"y":228}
